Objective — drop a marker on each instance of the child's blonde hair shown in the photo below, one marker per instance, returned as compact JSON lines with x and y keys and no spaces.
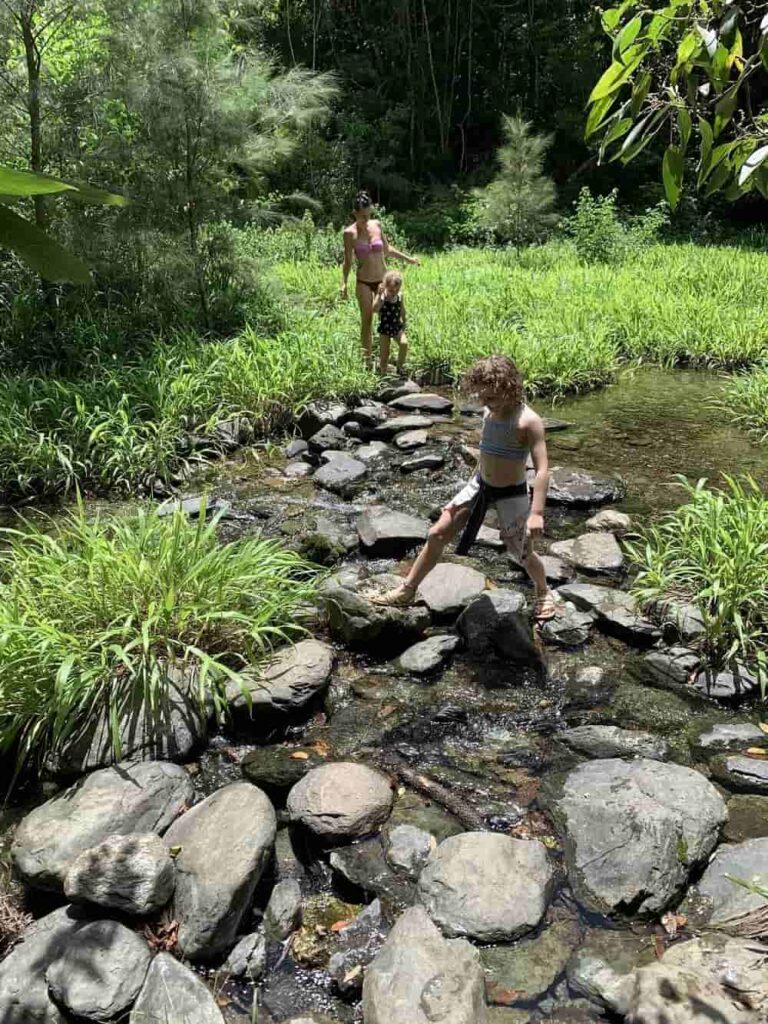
{"x":392,"y":278}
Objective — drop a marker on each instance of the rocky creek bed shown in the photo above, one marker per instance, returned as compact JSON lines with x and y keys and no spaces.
{"x":432,"y":814}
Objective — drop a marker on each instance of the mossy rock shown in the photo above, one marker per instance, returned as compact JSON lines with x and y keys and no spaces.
{"x":314,"y":941}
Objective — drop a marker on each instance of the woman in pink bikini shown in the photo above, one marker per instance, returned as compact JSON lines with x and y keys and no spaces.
{"x":365,"y":241}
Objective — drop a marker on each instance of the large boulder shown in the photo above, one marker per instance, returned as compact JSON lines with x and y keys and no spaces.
{"x":420,"y":978}
{"x":388,"y":534}
{"x":100,"y":974}
{"x":577,"y":488}
{"x":342,"y":799}
{"x":130,"y":873}
{"x":593,"y":553}
{"x":171,"y":730}
{"x":24,"y":996}
{"x":449,"y":588}
{"x":486,"y":886}
{"x":634,"y":830}
{"x":129,"y":798}
{"x":360,"y":624}
{"x":286,"y":683}
{"x":223,"y":844}
{"x":602,"y":741}
{"x":720,"y":900}
{"x":498,"y":622}
{"x":171,"y":993}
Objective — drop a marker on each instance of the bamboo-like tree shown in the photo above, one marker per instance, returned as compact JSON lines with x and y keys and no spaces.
{"x":518,"y":205}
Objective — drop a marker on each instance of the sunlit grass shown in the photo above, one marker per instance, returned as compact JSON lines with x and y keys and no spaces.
{"x":746,"y":401}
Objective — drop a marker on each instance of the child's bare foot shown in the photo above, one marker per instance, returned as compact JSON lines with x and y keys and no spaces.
{"x":545,"y":607}
{"x":400,"y":597}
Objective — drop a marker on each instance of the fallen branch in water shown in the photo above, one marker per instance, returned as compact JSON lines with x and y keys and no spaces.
{"x":434,"y":791}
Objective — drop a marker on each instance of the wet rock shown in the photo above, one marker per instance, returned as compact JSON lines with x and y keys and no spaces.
{"x":523,"y":972}
{"x":408,"y":848}
{"x":634,"y":830}
{"x":130,"y":873}
{"x":556,"y":569}
{"x":606,"y":741}
{"x":429,"y":460}
{"x":743,"y":774}
{"x":506,"y":1015}
{"x":428,"y":655}
{"x":328,"y":543}
{"x":603,"y":966}
{"x":194,"y":507}
{"x":589,"y":596}
{"x":172,"y":992}
{"x":340,"y":473}
{"x":373,"y":452}
{"x":436,"y":404}
{"x":225,"y":843}
{"x":370,"y":415}
{"x":449,"y":588}
{"x":489,"y":538}
{"x":249,"y":957}
{"x":577,"y":488}
{"x":388,"y":534}
{"x":411,"y":439}
{"x":289,"y":681}
{"x":617,"y":611}
{"x":342,"y":799}
{"x":170,"y":731}
{"x":365,"y":865}
{"x":731,"y":685}
{"x":328,"y":438}
{"x":321,"y":414}
{"x":486,"y":886}
{"x":498,"y":621}
{"x":24,"y":996}
{"x":680,"y":622}
{"x":672,"y":668}
{"x":569,"y":628}
{"x":276,"y":769}
{"x":99,"y":976}
{"x":353,"y":429}
{"x":718,"y":898}
{"x":132,"y":798}
{"x":589,"y":687}
{"x":361,"y":624}
{"x":400,"y":424}
{"x":298,"y":470}
{"x":283,"y":913}
{"x":611,"y":520}
{"x":295,"y":448}
{"x":592,"y":553}
{"x":360,"y":942}
{"x":727,"y":736}
{"x":747,"y":818}
{"x":419,"y":977}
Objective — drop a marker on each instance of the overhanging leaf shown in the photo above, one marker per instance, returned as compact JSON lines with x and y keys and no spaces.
{"x":724,"y":111}
{"x":84,"y":193}
{"x":672,"y":172}
{"x":751,"y":164}
{"x":27,"y":183}
{"x":39,"y":251}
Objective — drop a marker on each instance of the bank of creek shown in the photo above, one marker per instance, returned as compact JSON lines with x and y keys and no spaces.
{"x":519,"y":827}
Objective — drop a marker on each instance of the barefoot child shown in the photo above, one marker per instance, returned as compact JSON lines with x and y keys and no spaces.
{"x":390,"y":306}
{"x":510,"y":431}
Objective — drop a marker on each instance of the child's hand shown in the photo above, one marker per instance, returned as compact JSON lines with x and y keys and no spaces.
{"x":535,"y":524}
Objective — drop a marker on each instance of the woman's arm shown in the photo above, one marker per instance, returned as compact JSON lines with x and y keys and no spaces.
{"x":390,"y":250}
{"x":349,"y":247}
{"x":378,"y":300}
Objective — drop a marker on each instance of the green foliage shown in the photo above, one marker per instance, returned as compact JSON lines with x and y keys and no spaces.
{"x":684,"y":70}
{"x":600,"y":236}
{"x":518,"y":205}
{"x":713,"y":552}
{"x":746,"y":401}
{"x":93,"y":610}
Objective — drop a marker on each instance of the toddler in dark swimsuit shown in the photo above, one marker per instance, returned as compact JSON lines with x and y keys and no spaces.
{"x":390,"y":306}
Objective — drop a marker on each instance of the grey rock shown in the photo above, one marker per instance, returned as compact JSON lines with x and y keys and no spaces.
{"x":529,"y":968}
{"x":193,"y":507}
{"x":428,"y":655}
{"x":287,"y":682}
{"x":360,"y":942}
{"x":225,"y":843}
{"x":320,"y":414}
{"x":411,"y":439}
{"x":634,"y":831}
{"x":365,"y":865}
{"x":617,"y":611}
{"x":172,"y":992}
{"x":249,"y":957}
{"x":603,"y":967}
{"x":295,"y":448}
{"x":557,"y":570}
{"x":340,"y":474}
{"x":356,"y":621}
{"x":605,"y":741}
{"x":373,"y":452}
{"x":130,"y":798}
{"x":745,"y":774}
{"x":577,"y":488}
{"x":569,"y":628}
{"x":24,"y":996}
{"x":589,"y":596}
{"x":408,"y":848}
{"x":170,"y":731}
{"x":408,"y":387}
{"x":283,"y":913}
{"x":728,"y":736}
{"x":680,"y":621}
{"x":489,"y":538}
{"x":611,"y":520}
{"x":436,"y":404}
{"x":498,"y":621}
{"x":671,"y":668}
{"x":341,"y":799}
{"x":131,"y":873}
{"x":388,"y":534}
{"x":449,"y":588}
{"x":298,"y":470}
{"x":747,"y":818}
{"x":420,"y":978}
{"x":593,"y":553}
{"x":429,"y":460}
{"x":370,"y":415}
{"x":354,"y":430}
{"x":723,"y":902}
{"x":328,"y":438}
{"x":401,"y":424}
{"x":99,"y":976}
{"x":728,"y":684}
{"x":486,"y":886}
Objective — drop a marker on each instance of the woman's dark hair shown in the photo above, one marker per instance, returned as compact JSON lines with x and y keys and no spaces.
{"x":362,"y":201}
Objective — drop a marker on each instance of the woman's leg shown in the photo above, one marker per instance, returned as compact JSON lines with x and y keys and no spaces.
{"x":384,"y":344}
{"x":365,"y":296}
{"x":402,"y":352}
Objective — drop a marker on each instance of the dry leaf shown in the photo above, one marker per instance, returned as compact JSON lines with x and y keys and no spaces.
{"x":658,"y":946}
{"x":505,"y":996}
{"x":223,"y":1001}
{"x":338,"y":926}
{"x":354,"y":973}
{"x":763,"y":726}
{"x":757,"y":752}
{"x":300,"y":755}
{"x":387,"y":710}
{"x":320,"y":747}
{"x":671,"y":923}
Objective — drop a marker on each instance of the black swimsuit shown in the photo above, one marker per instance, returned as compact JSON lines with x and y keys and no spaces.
{"x":391,"y":317}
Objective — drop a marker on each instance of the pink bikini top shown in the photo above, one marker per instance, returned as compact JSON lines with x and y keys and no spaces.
{"x":366,"y":248}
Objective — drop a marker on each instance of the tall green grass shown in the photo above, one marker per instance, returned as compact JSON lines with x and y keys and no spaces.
{"x":93,"y":610}
{"x":746,"y":401}
{"x":712,"y":551}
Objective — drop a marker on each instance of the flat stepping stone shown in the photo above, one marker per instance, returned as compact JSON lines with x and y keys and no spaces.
{"x":411,"y":439}
{"x":569,"y":628}
{"x":321,"y":414}
{"x":593,"y":553}
{"x":288,"y":681}
{"x":741,"y":773}
{"x":724,"y":902}
{"x":373,"y":452}
{"x":430,"y":460}
{"x":369,"y":415}
{"x":729,"y":736}
{"x":326,"y":439}
{"x":578,"y":488}
{"x":616,"y":612}
{"x":400,"y":424}
{"x":449,"y":588}
{"x":610,"y":741}
{"x":423,"y":402}
{"x":340,"y":473}
{"x":428,"y":656}
{"x":408,"y":387}
{"x":387,"y":534}
{"x":341,"y":799}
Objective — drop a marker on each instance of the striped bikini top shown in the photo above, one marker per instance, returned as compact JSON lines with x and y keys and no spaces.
{"x":500,"y":438}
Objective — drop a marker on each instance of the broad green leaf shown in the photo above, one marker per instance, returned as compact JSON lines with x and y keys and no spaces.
{"x":617,"y":74}
{"x":707,"y":141}
{"x":752,"y":163}
{"x":39,"y":251}
{"x":672,"y":171}
{"x":689,"y":45}
{"x":719,"y":176}
{"x":85,"y":193}
{"x":612,"y":17}
{"x":640,"y":91}
{"x":27,"y":183}
{"x":724,"y":111}
{"x":598,"y":114}
{"x":685,"y":124}
{"x":640,"y":136}
{"x":627,"y":36}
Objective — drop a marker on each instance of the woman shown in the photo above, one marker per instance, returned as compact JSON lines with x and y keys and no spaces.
{"x":365,"y":241}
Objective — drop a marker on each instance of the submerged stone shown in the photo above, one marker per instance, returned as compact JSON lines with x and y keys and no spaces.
{"x":578,"y":488}
{"x":523,"y":972}
{"x":747,"y":818}
{"x":605,"y":741}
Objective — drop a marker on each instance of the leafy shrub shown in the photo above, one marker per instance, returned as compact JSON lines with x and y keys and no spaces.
{"x":94,"y":609}
{"x":713,"y":553}
{"x":445,"y":218}
{"x":600,"y":236}
{"x":746,"y":401}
